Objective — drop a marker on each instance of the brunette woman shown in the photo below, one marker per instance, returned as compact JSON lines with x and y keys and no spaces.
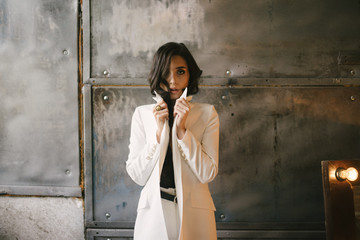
{"x":174,"y":152}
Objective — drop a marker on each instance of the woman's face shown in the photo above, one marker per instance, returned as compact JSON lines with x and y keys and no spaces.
{"x":178,"y":78}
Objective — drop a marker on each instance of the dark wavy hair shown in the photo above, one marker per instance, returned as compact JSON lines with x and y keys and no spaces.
{"x":161,"y":65}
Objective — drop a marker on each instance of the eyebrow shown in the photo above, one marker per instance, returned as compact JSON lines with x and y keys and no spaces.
{"x":180,"y":67}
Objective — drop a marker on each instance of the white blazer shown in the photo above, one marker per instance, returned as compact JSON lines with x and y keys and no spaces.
{"x":195,"y":160}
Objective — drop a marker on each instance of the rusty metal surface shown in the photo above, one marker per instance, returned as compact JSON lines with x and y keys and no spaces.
{"x":39,"y":99}
{"x":257,"y":39}
{"x":113,"y":190}
{"x":272,"y":141}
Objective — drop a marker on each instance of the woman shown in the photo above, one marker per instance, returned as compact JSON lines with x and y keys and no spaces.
{"x":174,"y":152}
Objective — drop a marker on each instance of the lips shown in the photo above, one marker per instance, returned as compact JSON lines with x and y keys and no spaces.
{"x":174,"y":90}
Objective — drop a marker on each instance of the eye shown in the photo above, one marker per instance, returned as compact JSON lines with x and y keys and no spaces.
{"x":180,"y":72}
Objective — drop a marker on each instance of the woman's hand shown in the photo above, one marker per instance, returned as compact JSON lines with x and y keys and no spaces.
{"x":181,"y":109}
{"x":160,"y":117}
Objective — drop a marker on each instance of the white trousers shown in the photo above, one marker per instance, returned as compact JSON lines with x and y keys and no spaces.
{"x":171,"y":215}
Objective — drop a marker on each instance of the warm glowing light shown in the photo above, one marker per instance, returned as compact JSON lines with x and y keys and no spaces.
{"x":350,"y":174}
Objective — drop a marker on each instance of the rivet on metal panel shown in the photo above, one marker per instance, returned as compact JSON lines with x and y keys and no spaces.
{"x":68,"y":172}
{"x":230,"y":83}
{"x":223,"y":97}
{"x":106,"y":98}
{"x":228,"y":72}
{"x":66,"y":52}
{"x":107,"y":215}
{"x":108,"y":239}
{"x":106,"y":72}
{"x":352,"y":72}
{"x":352,"y":98}
{"x":222,"y":216}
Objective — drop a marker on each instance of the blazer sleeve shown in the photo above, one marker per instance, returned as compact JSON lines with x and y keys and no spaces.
{"x":143,"y":154}
{"x":203,"y":156}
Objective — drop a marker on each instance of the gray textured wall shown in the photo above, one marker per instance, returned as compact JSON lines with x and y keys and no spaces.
{"x":39,"y":140}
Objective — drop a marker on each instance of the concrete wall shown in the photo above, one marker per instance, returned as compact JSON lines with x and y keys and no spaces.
{"x":34,"y":218}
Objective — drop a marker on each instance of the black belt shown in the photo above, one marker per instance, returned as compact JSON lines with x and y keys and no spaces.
{"x":168,"y":196}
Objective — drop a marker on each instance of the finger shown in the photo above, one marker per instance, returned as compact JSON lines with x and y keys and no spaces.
{"x":182,"y":108}
{"x":163,"y":117}
{"x":179,"y":112}
{"x":162,"y":112}
{"x":163,"y":107}
{"x":183,"y":104}
{"x":182,"y":100}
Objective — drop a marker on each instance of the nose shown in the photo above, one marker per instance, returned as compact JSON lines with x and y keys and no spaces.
{"x":172,"y":79}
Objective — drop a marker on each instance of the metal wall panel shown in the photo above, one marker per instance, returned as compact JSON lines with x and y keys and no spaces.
{"x":112,"y":113}
{"x":302,"y":54}
{"x":39,"y":148}
{"x":271,"y":39}
{"x":272,"y":141}
{"x":121,"y":234}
